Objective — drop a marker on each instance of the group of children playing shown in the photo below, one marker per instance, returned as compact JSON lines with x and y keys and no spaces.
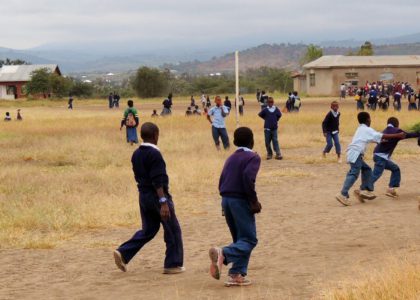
{"x":237,"y":185}
{"x":8,"y":117}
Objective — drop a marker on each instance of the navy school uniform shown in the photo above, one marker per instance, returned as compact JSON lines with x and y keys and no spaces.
{"x":150,"y":173}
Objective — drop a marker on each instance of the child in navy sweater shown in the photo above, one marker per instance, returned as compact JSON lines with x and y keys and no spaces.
{"x":239,"y":203}
{"x":271,"y":116}
{"x":382,"y":156}
{"x":330,"y":128}
{"x":156,"y":205}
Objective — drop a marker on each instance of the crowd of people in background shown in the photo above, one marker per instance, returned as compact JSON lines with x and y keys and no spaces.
{"x":378,"y":95}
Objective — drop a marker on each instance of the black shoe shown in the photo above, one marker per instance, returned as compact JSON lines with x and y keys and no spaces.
{"x":269,"y":157}
{"x":279,"y":157}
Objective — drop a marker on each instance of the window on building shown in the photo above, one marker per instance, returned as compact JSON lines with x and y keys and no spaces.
{"x":11,"y":90}
{"x":312,"y":79}
{"x":352,"y":75}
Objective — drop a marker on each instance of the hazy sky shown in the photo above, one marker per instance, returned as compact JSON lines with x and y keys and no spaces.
{"x":27,"y":23}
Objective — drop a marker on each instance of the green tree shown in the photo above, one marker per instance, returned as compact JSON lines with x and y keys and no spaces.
{"x":150,"y":82}
{"x":312,"y":53}
{"x":10,"y":62}
{"x":366,"y":49}
{"x":39,"y":83}
{"x":81,"y":89}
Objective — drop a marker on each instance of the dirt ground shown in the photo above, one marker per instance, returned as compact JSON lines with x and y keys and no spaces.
{"x":307,"y":242}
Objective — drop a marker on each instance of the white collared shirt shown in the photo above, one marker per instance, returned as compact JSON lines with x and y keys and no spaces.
{"x":363,"y":136}
{"x":150,"y":145}
{"x":246,"y":149}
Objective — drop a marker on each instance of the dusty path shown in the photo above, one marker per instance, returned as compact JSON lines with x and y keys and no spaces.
{"x":306,"y":240}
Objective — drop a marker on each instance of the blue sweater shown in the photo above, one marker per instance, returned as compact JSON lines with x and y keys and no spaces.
{"x":271,"y":119}
{"x":150,"y":170}
{"x":388,"y":147}
{"x":239,"y":175}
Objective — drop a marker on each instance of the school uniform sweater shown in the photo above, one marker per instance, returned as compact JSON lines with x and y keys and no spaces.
{"x":331,"y":123}
{"x":149,"y":170}
{"x":388,"y":147}
{"x":239,"y":175}
{"x":271,"y":118}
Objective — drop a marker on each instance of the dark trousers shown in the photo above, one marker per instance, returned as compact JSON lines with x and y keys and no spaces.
{"x":150,"y":216}
{"x":222,"y":134}
{"x":241,"y":222}
{"x":382,"y":164}
{"x":330,"y":138}
{"x":359,"y":166}
{"x":271,"y":136}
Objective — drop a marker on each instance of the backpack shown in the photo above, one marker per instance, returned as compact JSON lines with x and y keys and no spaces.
{"x":130,"y":121}
{"x":297,"y":103}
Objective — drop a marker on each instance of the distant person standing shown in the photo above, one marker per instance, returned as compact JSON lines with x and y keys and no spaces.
{"x":227,"y":103}
{"x":373,"y":98}
{"x":117,"y":100}
{"x":192,"y":101}
{"x":263,"y":100}
{"x":156,"y":206}
{"x":130,"y":120}
{"x":241,"y":105}
{"x":397,"y":101}
{"x":167,"y":106}
{"x":70,"y":102}
{"x":111,"y":100}
{"x":297,"y":103}
{"x":342,"y":91}
{"x":203,"y":100}
{"x":208,"y":102}
{"x":331,"y":129}
{"x":19,"y":116}
{"x":271,"y":116}
{"x":258,"y":95}
{"x":216,"y":116}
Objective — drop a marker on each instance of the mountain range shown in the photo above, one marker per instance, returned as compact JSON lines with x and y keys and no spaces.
{"x":194,"y":59}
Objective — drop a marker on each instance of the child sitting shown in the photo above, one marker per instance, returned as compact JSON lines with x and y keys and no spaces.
{"x":7,"y":117}
{"x":154,"y":114}
{"x":240,"y":204}
{"x":355,"y":152}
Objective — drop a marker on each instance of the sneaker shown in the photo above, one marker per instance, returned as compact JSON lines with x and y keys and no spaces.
{"x":358,"y":196}
{"x":269,"y":157}
{"x":367,"y":195}
{"x":339,"y":160}
{"x":119,"y":261}
{"x":237,"y":280}
{"x":279,"y":157}
{"x":343,"y":199}
{"x":216,"y":258}
{"x":175,"y":270}
{"x":392,"y":192}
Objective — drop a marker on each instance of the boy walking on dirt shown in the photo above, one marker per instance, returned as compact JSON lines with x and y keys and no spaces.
{"x":240,"y":204}
{"x":382,"y":157}
{"x":156,"y":205}
{"x":271,"y":116}
{"x":330,"y":128}
{"x":355,"y":152}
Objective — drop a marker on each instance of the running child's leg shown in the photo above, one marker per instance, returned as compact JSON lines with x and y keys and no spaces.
{"x":351,"y":176}
{"x":173,"y":239}
{"x":395,"y":174}
{"x":329,"y":141}
{"x":367,"y":183}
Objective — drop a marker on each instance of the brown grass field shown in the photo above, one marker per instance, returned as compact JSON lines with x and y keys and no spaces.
{"x":68,"y":198}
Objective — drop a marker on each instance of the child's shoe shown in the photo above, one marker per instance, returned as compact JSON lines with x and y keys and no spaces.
{"x":343,"y":199}
{"x":269,"y":157}
{"x":216,"y":258}
{"x":392,"y":192}
{"x":358,"y":196}
{"x":279,"y":157}
{"x":175,"y":270}
{"x":367,"y":195}
{"x":237,"y":280}
{"x":119,"y":261}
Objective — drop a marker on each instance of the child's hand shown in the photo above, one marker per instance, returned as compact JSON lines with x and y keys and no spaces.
{"x":256,"y":207}
{"x":165,"y":213}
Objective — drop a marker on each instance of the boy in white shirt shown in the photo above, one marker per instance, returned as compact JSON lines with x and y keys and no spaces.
{"x":355,"y":152}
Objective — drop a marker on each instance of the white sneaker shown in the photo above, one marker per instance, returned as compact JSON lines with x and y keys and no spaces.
{"x":175,"y":270}
{"x":392,"y":192}
{"x":119,"y":261}
{"x":367,"y":195}
{"x":343,"y":199}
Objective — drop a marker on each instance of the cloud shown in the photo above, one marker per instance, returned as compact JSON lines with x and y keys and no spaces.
{"x":205,"y":23}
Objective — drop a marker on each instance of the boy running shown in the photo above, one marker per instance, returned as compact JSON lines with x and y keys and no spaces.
{"x":218,"y":127}
{"x":156,"y":205}
{"x":355,"y":152}
{"x":330,"y":128}
{"x":271,"y":116}
{"x":382,"y":157}
{"x":240,"y":204}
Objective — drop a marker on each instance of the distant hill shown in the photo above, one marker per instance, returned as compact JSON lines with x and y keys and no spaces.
{"x":278,"y":55}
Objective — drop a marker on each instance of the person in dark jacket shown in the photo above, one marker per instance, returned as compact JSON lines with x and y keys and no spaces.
{"x":167,"y":106}
{"x":240,"y":204}
{"x":110,"y":100}
{"x":271,"y":116}
{"x":331,"y":129}
{"x":228,"y":103}
{"x":156,"y":205}
{"x":382,"y":156}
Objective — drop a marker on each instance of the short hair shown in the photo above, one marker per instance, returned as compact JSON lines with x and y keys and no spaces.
{"x":148,"y":131}
{"x":217,"y":98}
{"x":270,"y":99}
{"x":362,"y":117}
{"x":130,"y":103}
{"x":393,"y":121}
{"x":7,"y":113}
{"x":243,"y":137}
{"x":334,"y":102}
